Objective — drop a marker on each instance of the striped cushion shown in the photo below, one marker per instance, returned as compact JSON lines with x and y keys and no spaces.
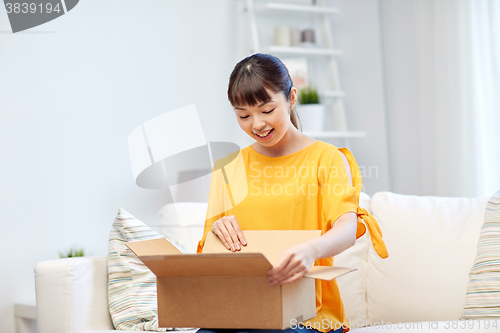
{"x":131,"y":285}
{"x":483,"y":290}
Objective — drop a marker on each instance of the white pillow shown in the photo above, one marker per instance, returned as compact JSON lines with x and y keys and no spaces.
{"x":352,"y":286}
{"x":183,"y":223}
{"x":431,"y":243}
{"x":131,"y":285}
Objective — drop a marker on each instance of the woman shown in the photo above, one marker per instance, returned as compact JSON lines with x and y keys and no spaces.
{"x":292,"y":182}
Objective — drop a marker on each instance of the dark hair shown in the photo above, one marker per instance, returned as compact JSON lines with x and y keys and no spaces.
{"x":253,"y":75}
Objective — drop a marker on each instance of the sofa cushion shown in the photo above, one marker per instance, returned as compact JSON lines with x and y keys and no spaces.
{"x":131,"y":285}
{"x":483,"y":290}
{"x":352,"y":286}
{"x":431,"y":243}
{"x":71,"y":295}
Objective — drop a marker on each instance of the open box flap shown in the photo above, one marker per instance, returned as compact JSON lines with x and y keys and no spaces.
{"x":152,"y":247}
{"x":327,"y":273}
{"x":244,"y":264}
{"x":268,"y":242}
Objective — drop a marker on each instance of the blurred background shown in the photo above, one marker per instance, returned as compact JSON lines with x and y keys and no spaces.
{"x":420,"y":80}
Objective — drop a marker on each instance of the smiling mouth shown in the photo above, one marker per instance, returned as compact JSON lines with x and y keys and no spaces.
{"x":264,"y":134}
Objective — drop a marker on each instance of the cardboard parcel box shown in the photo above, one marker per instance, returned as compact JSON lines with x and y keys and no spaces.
{"x":223,"y":289}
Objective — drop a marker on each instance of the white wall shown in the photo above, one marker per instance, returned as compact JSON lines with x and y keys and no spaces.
{"x":439,"y":93}
{"x":357,"y":32}
{"x":403,"y":56}
{"x":73,"y":89}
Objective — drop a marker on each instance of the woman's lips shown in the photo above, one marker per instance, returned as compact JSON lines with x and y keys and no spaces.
{"x":268,"y":136}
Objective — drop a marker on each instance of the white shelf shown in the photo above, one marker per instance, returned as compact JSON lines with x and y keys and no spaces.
{"x":336,"y":134}
{"x":332,"y":93}
{"x":331,"y":90}
{"x":22,"y":313}
{"x":296,"y":8}
{"x":26,"y":311}
{"x":303,"y":50}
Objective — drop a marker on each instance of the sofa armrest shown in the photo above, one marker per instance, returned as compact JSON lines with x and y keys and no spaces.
{"x":72,"y":295}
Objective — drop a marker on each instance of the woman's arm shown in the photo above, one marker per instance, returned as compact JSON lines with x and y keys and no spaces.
{"x":295,"y":262}
{"x":339,"y":238}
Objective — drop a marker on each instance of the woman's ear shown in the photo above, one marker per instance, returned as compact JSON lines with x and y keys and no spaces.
{"x":293,"y":97}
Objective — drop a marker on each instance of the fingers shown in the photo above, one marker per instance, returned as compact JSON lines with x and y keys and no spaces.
{"x":282,"y":269}
{"x":292,"y":272}
{"x":291,"y":266}
{"x":290,"y":269}
{"x":294,"y":277}
{"x":278,"y":267}
{"x":229,"y":232}
{"x":237,"y":228}
{"x":219,"y":234}
{"x":231,"y":225}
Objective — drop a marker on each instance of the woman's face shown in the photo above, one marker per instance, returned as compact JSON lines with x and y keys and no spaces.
{"x":268,"y":122}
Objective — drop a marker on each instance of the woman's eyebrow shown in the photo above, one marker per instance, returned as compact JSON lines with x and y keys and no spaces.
{"x":264,"y":103}
{"x":261,"y":104}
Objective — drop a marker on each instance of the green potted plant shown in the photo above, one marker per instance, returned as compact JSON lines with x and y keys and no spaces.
{"x":72,"y":252}
{"x":311,"y":111}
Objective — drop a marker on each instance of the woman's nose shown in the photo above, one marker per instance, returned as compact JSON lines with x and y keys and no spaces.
{"x":259,"y":124}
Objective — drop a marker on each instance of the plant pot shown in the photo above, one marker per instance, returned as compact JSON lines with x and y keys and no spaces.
{"x":312,"y":117}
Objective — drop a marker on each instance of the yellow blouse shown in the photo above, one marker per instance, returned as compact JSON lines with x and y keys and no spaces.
{"x":306,"y":190}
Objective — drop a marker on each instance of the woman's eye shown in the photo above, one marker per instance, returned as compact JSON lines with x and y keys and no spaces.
{"x":269,"y":111}
{"x":245,"y":117}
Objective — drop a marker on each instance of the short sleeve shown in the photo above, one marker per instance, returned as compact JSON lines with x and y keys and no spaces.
{"x":362,"y":214}
{"x":338,"y":194}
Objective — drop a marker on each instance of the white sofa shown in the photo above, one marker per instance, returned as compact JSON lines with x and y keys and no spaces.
{"x":421,"y":286}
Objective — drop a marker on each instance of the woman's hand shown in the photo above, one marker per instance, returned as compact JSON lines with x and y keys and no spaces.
{"x":293,"y":264}
{"x":229,"y":232}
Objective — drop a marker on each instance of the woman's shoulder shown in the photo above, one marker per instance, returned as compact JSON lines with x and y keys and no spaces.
{"x":328,"y":154}
{"x":325,"y":148}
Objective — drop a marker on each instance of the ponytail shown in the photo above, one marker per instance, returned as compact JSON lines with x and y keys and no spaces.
{"x":294,"y":117}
